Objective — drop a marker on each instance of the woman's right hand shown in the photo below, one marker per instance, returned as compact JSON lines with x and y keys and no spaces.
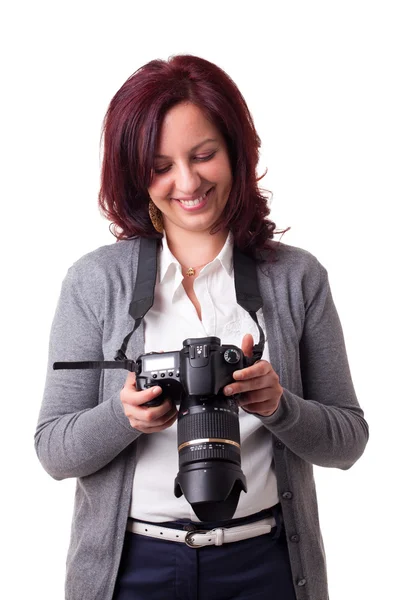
{"x":146,"y":418}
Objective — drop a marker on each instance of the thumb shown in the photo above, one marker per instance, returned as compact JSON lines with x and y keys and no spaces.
{"x":131,"y":379}
{"x":247,"y":345}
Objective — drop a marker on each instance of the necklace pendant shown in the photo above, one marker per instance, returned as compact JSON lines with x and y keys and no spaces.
{"x":191,"y":272}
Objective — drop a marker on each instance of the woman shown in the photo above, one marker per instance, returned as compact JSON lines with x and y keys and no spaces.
{"x":180,"y":157}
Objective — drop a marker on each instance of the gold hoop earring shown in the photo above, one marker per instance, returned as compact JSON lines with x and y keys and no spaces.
{"x":156,"y":217}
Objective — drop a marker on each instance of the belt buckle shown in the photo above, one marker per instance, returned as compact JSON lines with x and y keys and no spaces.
{"x":190,"y":543}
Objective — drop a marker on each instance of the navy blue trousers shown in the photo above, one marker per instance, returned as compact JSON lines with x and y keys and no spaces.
{"x":256,"y":569}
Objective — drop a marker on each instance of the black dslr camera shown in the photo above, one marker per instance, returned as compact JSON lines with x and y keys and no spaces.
{"x":210,"y":475}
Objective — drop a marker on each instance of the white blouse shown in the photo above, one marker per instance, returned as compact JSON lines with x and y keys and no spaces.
{"x":171,"y":320}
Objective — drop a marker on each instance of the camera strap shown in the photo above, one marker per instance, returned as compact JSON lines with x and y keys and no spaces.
{"x":246,"y":289}
{"x":248,"y":294}
{"x":144,"y":290}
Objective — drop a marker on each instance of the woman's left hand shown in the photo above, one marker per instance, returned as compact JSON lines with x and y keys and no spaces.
{"x":258,"y":385}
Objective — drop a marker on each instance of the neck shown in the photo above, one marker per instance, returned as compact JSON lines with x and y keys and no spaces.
{"x":193,"y":249}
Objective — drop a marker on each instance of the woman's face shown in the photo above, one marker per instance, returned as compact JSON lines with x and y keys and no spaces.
{"x":191,"y":161}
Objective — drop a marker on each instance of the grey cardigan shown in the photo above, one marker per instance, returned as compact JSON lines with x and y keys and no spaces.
{"x":83,"y":432}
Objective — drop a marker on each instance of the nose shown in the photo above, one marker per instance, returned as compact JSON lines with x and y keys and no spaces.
{"x":187,"y":179}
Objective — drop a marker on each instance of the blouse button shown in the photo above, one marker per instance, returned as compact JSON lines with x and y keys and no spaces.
{"x":287,"y":495}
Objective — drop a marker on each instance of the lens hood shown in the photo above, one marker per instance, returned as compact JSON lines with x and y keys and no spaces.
{"x":212,"y":489}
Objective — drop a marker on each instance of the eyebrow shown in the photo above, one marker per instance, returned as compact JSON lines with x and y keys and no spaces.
{"x":192,"y":149}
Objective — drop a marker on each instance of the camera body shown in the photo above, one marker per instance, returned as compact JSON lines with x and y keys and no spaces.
{"x":201,"y":368}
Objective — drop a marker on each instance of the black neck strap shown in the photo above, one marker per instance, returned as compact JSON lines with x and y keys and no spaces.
{"x":248,"y":295}
{"x":143,"y":297}
{"x":246,"y":289}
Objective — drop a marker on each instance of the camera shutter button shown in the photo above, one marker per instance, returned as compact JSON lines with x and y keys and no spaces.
{"x":232,"y":356}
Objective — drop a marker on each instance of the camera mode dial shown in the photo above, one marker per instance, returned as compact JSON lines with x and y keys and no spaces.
{"x":232,"y":356}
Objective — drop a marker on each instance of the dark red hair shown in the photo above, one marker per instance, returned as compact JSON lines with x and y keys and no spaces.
{"x":131,"y":130}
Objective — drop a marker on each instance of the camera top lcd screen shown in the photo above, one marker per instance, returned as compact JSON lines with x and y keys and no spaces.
{"x":158,"y":363}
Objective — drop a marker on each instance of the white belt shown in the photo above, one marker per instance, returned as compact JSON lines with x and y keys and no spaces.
{"x":199,"y":538}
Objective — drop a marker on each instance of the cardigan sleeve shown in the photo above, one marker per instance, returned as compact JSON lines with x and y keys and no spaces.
{"x":325,"y":426}
{"x":76,"y":435}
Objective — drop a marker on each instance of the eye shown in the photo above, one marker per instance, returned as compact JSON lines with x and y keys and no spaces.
{"x":199,"y":158}
{"x":160,"y":171}
{"x":205,"y":158}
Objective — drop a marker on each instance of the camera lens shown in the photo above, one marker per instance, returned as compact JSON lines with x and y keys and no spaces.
{"x":209,"y":432}
{"x":209,"y":452}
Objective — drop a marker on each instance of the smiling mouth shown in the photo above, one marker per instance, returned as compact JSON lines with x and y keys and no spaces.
{"x":190,"y":203}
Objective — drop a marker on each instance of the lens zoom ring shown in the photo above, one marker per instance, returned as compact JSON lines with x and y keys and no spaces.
{"x":230,"y":453}
{"x":208,"y":424}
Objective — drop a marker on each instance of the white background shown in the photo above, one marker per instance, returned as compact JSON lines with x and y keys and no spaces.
{"x":322,"y":81}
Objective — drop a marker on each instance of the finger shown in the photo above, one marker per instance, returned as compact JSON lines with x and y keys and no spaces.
{"x":257,"y":396}
{"x":256,"y":383}
{"x":262,"y":367}
{"x":152,"y":413}
{"x":155,"y":429}
{"x":132,"y":397}
{"x":260,"y":408}
{"x":130,"y":380}
{"x":156,"y":415}
{"x":151,"y":419}
{"x":166,"y":418}
{"x":247,"y":345}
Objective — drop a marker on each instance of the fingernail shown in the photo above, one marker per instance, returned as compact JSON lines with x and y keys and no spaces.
{"x":229,"y":391}
{"x":156,"y":390}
